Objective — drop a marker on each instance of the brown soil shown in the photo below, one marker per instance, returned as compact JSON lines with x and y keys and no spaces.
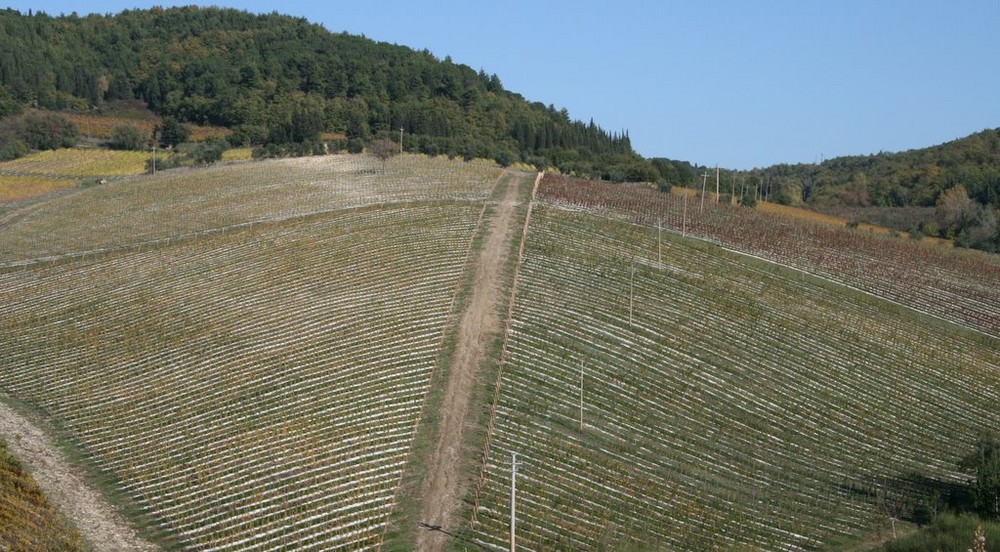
{"x":63,"y":484}
{"x":478,"y":327}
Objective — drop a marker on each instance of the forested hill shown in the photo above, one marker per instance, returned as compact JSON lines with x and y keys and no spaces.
{"x":278,"y":79}
{"x":951,"y":190}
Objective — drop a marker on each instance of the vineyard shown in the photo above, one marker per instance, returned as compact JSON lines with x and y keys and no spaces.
{"x":248,"y":351}
{"x":956,"y":285}
{"x":247,"y":401}
{"x":726,"y":403}
{"x":188,"y":202}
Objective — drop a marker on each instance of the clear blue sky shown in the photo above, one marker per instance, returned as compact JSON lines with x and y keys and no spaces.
{"x":735,"y":83}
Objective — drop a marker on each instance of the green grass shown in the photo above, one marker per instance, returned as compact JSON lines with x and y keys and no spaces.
{"x":948,"y":533}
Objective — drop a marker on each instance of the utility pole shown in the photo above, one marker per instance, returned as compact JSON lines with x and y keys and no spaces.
{"x":716,"y":184}
{"x":631,"y":293}
{"x":401,"y":140}
{"x":659,"y":231}
{"x":513,"y":497}
{"x":684,"y":220}
{"x":732,"y":190}
{"x":581,"y":396}
{"x":704,"y":178}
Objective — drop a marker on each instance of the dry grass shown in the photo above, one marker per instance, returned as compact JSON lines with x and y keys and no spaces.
{"x":15,"y":188}
{"x":80,"y":162}
{"x":101,"y":126}
{"x":27,"y":520}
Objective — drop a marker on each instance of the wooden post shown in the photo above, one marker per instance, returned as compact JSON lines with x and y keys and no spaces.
{"x":684,"y":220}
{"x":513,"y":498}
{"x":631,"y":293}
{"x":659,"y":231}
{"x":581,"y":396}
{"x":716,"y":184}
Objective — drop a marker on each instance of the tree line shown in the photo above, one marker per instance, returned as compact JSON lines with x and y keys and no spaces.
{"x":951,"y":190}
{"x":277,"y":80}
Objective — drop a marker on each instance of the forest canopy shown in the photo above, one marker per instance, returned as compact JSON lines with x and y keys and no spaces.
{"x":276,"y":79}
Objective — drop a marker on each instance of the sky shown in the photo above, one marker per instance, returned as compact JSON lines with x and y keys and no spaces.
{"x":739,"y":84}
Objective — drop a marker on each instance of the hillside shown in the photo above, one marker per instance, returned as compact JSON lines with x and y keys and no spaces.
{"x":274,"y":79}
{"x":901,"y":190}
{"x":259,"y":355}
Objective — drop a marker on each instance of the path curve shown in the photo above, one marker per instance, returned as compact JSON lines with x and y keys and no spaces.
{"x":64,"y":485}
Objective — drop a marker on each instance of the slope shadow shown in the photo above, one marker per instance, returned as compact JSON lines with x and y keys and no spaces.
{"x":913,"y":496}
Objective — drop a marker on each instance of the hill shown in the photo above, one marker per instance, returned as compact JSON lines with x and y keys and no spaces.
{"x":258,"y":353}
{"x":901,"y":190}
{"x":274,"y":79}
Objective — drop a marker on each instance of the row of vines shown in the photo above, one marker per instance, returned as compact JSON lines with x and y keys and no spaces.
{"x":187,"y":202}
{"x":252,"y":390}
{"x":956,"y":285}
{"x":726,"y":403}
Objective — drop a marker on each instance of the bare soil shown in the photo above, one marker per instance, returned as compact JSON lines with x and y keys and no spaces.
{"x":64,"y":485}
{"x":478,"y":327}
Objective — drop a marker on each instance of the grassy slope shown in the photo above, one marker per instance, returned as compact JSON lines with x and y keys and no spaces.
{"x":27,"y":520}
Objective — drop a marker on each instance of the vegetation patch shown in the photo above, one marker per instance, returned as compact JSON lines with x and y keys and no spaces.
{"x":27,"y":520}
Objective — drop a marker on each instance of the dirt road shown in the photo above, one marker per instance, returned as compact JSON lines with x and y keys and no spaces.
{"x":63,"y":484}
{"x":479,"y":325}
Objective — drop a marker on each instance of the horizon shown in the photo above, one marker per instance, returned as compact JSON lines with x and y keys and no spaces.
{"x":763,"y":85}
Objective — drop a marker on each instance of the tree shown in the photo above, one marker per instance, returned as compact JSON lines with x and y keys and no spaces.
{"x":383,"y":149}
{"x":953,"y":209}
{"x":172,"y":132}
{"x":127,"y":137}
{"x":985,"y":464}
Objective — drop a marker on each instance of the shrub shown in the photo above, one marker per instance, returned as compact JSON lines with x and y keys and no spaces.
{"x":127,"y":137}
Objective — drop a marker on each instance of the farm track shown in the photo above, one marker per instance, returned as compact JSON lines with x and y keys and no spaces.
{"x":478,"y":326}
{"x":62,"y":483}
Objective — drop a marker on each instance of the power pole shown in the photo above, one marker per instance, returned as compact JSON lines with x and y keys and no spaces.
{"x":659,"y":231}
{"x":631,"y":293}
{"x":401,"y":140}
{"x":716,"y":184}
{"x":684,"y":220}
{"x":732,"y":190}
{"x":704,"y":178}
{"x":581,"y":396}
{"x":513,"y":498}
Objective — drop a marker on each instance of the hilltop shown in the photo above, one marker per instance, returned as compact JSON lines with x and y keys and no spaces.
{"x":274,"y":79}
{"x":259,"y":355}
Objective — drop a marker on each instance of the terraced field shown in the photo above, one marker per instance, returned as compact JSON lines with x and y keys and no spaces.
{"x":249,"y":351}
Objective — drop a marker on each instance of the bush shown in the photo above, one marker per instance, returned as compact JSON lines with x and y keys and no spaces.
{"x":664,"y":186}
{"x":947,"y":532}
{"x":748,"y":200}
{"x":127,"y":137}
{"x":47,"y":131}
{"x":209,"y":151}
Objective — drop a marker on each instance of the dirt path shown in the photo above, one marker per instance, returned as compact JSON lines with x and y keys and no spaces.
{"x":63,"y":484}
{"x":478,"y":326}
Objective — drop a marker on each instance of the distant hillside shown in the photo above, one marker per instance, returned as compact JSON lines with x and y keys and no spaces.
{"x":278,"y":79}
{"x":875,"y":188}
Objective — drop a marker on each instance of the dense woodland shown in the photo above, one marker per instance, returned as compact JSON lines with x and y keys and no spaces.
{"x":951,"y":190}
{"x":278,"y":80}
{"x":280,"y":83}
